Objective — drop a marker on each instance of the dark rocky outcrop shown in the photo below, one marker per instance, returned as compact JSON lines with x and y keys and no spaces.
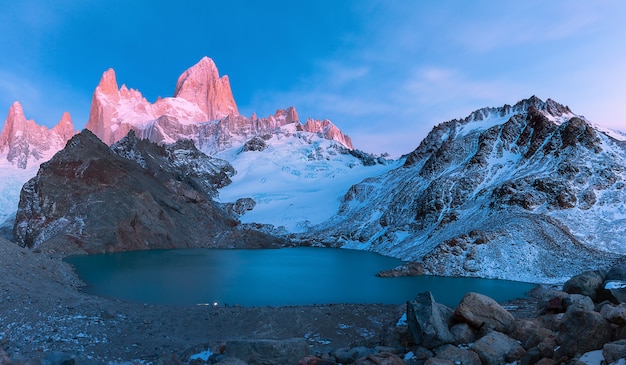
{"x":90,"y":198}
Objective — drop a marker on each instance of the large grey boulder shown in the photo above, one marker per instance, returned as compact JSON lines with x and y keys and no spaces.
{"x":479,"y":310}
{"x":427,"y":322}
{"x":581,"y":331}
{"x":587,"y":283}
{"x":496,"y":348}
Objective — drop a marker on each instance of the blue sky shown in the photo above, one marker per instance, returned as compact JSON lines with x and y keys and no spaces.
{"x":384,"y":71}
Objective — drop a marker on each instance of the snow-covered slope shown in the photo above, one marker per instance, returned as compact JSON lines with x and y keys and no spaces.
{"x":296,"y":178}
{"x":524,"y":192}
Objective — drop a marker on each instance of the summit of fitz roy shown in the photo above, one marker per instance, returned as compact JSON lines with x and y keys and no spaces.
{"x":530,"y":191}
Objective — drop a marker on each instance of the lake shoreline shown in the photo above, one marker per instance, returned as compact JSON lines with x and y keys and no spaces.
{"x":44,"y":311}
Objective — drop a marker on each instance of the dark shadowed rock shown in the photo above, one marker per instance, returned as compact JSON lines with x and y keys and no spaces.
{"x":614,"y":351}
{"x":578,"y":300}
{"x":242,"y":205}
{"x":532,"y":356}
{"x":255,"y":144}
{"x":479,"y":310}
{"x":314,"y":360}
{"x":463,"y":333}
{"x":268,"y":351}
{"x":437,"y":361}
{"x":429,"y":326}
{"x":582,"y":331}
{"x":616,"y":290}
{"x":587,"y":283}
{"x":90,"y":198}
{"x":456,"y":355}
{"x":617,"y":272}
{"x":348,"y":355}
{"x":496,"y":348}
{"x":614,"y":314}
{"x":529,"y":332}
{"x":383,"y":358}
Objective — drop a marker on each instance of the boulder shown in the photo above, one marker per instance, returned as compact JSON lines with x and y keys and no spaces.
{"x":427,"y":322}
{"x":314,"y":360}
{"x":479,"y":310}
{"x":581,"y":331}
{"x":551,"y":321}
{"x":617,"y":290}
{"x":289,"y":351}
{"x":463,"y":333}
{"x":497,"y":348}
{"x":529,"y":332}
{"x":617,"y":272}
{"x":614,"y":314}
{"x":578,"y":300}
{"x":456,"y":355}
{"x":436,"y":361}
{"x":382,"y":358}
{"x":346,"y":355}
{"x":532,"y":356}
{"x":551,"y":301}
{"x":547,"y":346}
{"x":614,"y":351}
{"x":227,"y":361}
{"x":587,"y":283}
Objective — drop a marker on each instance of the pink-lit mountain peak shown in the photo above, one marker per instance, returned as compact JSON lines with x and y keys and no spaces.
{"x":108,"y":82}
{"x":23,"y":141}
{"x":202,"y":85}
{"x":201,"y":95}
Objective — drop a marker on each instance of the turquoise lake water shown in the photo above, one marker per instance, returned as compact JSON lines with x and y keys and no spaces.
{"x":268,"y":277}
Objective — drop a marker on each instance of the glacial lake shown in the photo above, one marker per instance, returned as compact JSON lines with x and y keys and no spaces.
{"x":269,"y":277}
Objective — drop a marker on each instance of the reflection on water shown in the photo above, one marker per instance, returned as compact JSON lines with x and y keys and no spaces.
{"x":289,"y":276}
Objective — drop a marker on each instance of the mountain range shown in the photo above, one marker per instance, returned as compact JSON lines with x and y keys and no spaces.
{"x":202,"y":110}
{"x":530,"y":191}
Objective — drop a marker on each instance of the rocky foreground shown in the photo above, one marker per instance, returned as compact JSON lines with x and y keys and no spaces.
{"x":46,"y":319}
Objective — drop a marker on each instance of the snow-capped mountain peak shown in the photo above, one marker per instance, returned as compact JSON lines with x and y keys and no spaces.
{"x":522,"y":192}
{"x":23,"y":142}
{"x":203,"y":109}
{"x":202,"y":86}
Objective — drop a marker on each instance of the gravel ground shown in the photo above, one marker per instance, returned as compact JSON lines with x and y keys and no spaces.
{"x":43,"y":312}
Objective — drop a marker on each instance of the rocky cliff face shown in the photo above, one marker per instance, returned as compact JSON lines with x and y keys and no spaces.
{"x":524,"y":192}
{"x":91,"y":198}
{"x":203,"y":110}
{"x":24,"y":142}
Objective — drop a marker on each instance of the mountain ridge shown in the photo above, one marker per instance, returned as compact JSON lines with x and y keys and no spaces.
{"x":202,"y":109}
{"x":535,"y":166}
